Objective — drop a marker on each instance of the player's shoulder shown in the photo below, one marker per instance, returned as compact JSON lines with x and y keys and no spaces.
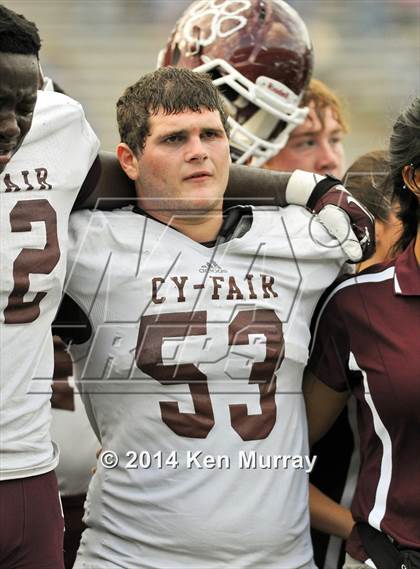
{"x":57,"y":115}
{"x":302,"y":229}
{"x":296,"y":212}
{"x":297,"y":219}
{"x":48,"y":101}
{"x":117,"y":224}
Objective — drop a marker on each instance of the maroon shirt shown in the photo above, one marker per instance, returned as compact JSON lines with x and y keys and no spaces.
{"x":367,"y":339}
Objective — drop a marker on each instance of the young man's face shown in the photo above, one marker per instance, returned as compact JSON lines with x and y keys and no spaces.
{"x":18,"y":91}
{"x":313,"y":147}
{"x":185,"y":164}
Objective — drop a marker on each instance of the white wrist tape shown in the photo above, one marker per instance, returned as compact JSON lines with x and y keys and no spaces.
{"x":300,"y":187}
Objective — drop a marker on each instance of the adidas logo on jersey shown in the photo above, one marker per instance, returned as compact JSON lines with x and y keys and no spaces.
{"x":212,"y":267}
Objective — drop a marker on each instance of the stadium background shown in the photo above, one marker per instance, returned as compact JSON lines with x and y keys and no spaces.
{"x":366,"y":50}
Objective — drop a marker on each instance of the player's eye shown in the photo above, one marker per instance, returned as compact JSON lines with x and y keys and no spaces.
{"x":305,"y":144}
{"x":26,"y":110}
{"x":26,"y":107}
{"x":174,"y":139}
{"x":210,"y":134}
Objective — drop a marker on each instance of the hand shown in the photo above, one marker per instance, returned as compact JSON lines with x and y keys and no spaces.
{"x":344,"y":217}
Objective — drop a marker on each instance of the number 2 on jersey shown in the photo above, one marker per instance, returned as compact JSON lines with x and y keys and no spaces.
{"x":153,"y":330}
{"x":35,"y":261}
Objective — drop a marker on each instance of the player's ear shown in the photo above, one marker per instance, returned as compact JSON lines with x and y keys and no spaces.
{"x":128,"y":160}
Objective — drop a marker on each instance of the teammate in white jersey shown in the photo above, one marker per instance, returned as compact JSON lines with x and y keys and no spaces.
{"x":39,"y":181}
{"x":195,"y":339}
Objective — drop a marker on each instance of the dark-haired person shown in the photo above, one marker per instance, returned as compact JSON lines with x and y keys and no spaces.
{"x":337,"y":466}
{"x":195,"y":338}
{"x":41,"y":171}
{"x":368,"y":180}
{"x":366,"y":343}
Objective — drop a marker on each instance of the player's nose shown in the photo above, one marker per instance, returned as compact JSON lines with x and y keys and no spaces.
{"x":9,"y":127}
{"x":328,"y":160}
{"x":196,"y":149}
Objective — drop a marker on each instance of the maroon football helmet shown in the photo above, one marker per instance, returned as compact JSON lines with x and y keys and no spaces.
{"x":259,"y":54}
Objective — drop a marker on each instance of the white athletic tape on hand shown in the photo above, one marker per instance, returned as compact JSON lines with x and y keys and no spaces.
{"x":300,"y":187}
{"x":337,"y":223}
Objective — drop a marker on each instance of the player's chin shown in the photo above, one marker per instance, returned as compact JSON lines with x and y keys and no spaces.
{"x":4,"y":160}
{"x":205,"y":201}
{"x":202,"y":197}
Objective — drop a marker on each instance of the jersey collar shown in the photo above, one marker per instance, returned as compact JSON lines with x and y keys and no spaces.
{"x":231,"y":219}
{"x":407,"y":273}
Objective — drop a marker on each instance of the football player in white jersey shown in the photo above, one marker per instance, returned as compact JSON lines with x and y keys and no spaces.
{"x":191,"y":356}
{"x":48,"y":159}
{"x":39,"y":183}
{"x":259,"y":55}
{"x":41,"y":170}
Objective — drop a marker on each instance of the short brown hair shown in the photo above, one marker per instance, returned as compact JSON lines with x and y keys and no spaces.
{"x":369,"y":180}
{"x":322,"y":97}
{"x":173,"y":90}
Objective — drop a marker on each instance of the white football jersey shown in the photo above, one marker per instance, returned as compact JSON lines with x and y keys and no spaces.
{"x":192,"y":377}
{"x":37,"y":191}
{"x":78,"y":445}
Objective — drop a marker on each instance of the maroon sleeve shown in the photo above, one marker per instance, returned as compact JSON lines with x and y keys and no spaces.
{"x":89,"y":183}
{"x":330,"y":347}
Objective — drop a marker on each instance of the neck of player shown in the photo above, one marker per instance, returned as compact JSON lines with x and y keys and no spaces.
{"x":198,"y":225}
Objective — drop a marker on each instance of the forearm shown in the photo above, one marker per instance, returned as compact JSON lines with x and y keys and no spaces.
{"x":256,"y":186}
{"x":106,"y":185}
{"x":328,"y":516}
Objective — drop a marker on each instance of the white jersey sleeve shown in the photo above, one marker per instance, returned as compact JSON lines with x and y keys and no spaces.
{"x":37,"y":191}
{"x":192,"y":377}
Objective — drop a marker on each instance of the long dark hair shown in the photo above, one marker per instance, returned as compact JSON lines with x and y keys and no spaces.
{"x":404,"y":149}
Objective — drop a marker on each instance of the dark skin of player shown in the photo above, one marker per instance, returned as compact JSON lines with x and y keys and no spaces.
{"x":18,"y":92}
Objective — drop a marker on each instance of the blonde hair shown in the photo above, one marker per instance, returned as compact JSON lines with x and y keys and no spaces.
{"x":322,"y":97}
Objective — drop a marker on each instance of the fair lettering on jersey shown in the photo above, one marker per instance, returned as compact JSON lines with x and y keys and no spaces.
{"x":225,"y":287}
{"x":27,"y":180}
{"x":198,"y":460}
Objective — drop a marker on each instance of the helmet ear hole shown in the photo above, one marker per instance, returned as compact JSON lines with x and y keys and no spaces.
{"x":262,"y":13}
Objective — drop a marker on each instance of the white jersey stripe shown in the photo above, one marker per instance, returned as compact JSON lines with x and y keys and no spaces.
{"x":378,"y":511}
{"x":335,"y":543}
{"x":357,"y":279}
{"x":397,"y":285}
